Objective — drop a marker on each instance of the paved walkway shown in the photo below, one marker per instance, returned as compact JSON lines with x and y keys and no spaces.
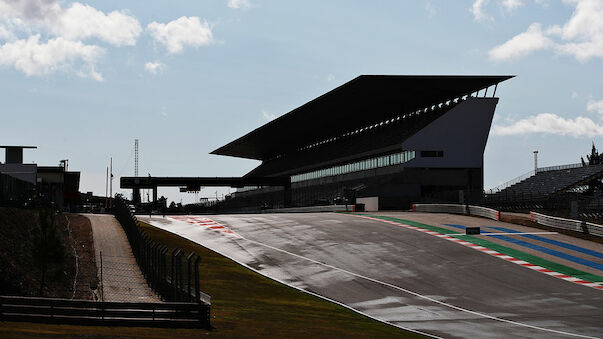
{"x":121,"y":277}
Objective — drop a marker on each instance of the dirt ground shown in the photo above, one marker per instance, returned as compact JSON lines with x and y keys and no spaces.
{"x":19,"y":274}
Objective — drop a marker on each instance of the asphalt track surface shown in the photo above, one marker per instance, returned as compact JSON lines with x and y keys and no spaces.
{"x":406,"y":278}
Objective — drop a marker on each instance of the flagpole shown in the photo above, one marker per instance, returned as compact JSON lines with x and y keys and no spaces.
{"x":106,"y":188}
{"x":111,"y":186}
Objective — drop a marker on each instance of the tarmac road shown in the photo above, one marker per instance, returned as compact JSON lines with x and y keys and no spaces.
{"x":401,"y":276}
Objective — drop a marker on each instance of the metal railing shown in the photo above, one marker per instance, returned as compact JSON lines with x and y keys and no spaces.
{"x":87,"y":312}
{"x":174,"y":276}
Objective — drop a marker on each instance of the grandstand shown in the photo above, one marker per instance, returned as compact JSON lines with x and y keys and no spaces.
{"x":551,"y":180}
{"x":572,"y":191}
{"x":391,"y":137}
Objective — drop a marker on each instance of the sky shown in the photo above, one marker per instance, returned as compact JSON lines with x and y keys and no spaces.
{"x":83,"y":80}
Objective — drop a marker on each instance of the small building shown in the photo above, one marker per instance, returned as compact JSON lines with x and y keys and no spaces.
{"x":21,"y":181}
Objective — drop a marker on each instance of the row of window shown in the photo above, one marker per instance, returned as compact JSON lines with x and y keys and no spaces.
{"x":382,"y":161}
{"x":443,"y":104}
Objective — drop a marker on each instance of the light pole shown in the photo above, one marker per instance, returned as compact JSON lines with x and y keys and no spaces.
{"x":535,"y":161}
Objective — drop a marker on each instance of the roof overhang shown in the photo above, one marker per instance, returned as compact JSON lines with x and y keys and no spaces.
{"x":360,"y":102}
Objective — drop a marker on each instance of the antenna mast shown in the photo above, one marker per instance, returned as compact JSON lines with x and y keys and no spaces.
{"x":135,"y":157}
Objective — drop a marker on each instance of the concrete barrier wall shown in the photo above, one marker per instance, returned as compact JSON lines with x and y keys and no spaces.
{"x":330,"y":208}
{"x":484,"y":212}
{"x":568,"y":224}
{"x":458,"y":209}
{"x":371,"y":204}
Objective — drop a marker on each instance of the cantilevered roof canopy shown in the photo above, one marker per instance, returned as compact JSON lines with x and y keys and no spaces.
{"x":363,"y":101}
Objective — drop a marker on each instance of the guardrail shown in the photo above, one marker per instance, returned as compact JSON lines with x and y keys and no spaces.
{"x":458,"y":209}
{"x":568,"y":224}
{"x":329,"y":208}
{"x":87,"y":312}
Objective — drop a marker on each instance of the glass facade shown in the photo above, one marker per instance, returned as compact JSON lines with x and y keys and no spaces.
{"x":362,"y":165}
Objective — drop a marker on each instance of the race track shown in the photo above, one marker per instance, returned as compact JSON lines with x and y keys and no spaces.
{"x":413,"y":279}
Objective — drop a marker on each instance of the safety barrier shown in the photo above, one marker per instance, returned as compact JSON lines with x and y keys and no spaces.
{"x":329,"y":208}
{"x":568,"y":224}
{"x":458,"y":209}
{"x":88,"y":312}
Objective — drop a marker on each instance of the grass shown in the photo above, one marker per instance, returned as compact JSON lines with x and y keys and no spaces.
{"x":245,"y":304}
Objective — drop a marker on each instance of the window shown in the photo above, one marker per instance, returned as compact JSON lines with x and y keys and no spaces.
{"x":362,"y":165}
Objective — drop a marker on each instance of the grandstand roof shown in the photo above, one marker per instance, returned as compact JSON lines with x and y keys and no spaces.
{"x":362,"y":101}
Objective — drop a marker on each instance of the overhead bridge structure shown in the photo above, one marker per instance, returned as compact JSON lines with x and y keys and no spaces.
{"x":195,"y":183}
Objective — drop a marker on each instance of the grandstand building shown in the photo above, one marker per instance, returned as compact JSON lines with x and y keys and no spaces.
{"x":397,"y":139}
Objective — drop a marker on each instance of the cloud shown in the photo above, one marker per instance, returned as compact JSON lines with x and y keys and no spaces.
{"x":574,"y":94}
{"x":65,"y":27}
{"x":268,"y":116}
{"x":239,"y":4}
{"x":77,"y":22}
{"x":153,"y":67}
{"x":83,"y":21}
{"x":595,"y":106}
{"x":35,"y":58}
{"x":521,"y":44}
{"x":430,"y":9}
{"x":547,"y":123}
{"x":177,"y":34}
{"x":478,"y":11}
{"x":511,"y":5}
{"x":581,"y":36}
{"x":5,"y":34}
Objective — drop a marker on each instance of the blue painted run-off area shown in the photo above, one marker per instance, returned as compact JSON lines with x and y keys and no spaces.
{"x":542,"y":249}
{"x":553,"y":242}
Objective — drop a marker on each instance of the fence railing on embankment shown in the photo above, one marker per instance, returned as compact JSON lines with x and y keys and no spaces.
{"x":168,"y":273}
{"x":568,"y":224}
{"x":458,"y":209}
{"x":87,"y":312}
{"x":542,"y":219}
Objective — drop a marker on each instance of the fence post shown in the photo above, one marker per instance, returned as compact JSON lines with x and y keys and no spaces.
{"x":173,"y":269}
{"x":164,"y":251}
{"x":102,"y":286}
{"x":197,"y":287}
{"x":179,"y":283}
{"x":154,"y":266}
{"x":189,"y":260}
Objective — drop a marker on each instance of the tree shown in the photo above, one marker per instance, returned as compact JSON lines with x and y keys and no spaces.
{"x":594,"y":158}
{"x":48,"y":249}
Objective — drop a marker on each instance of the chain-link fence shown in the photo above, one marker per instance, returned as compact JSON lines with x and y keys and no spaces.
{"x":169,"y":273}
{"x":119,"y":280}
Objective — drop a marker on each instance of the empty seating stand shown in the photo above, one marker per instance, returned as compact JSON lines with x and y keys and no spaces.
{"x":547,"y":182}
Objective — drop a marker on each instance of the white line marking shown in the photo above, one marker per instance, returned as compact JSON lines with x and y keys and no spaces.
{"x":417,"y":294}
{"x":491,"y":234}
{"x":301,"y":289}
